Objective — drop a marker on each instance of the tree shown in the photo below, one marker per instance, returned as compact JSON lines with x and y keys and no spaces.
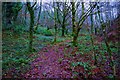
{"x":40,"y":8}
{"x":64,"y":20}
{"x":104,"y":27}
{"x":16,"y":9}
{"x":62,"y":15}
{"x":31,"y":11}
{"x":78,"y":25}
{"x":25,"y":15}
{"x":73,"y":23}
{"x":92,"y":37}
{"x":55,"y":17}
{"x":11,"y":11}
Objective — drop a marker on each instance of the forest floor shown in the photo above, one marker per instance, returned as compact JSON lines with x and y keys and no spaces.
{"x":62,"y":60}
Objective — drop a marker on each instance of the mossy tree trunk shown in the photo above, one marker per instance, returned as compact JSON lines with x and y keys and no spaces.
{"x":31,"y":11}
{"x":73,"y":24}
{"x":76,"y":27}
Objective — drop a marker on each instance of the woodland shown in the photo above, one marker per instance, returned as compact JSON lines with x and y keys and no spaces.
{"x":61,"y":40}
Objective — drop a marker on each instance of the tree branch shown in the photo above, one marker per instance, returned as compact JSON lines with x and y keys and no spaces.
{"x":34,"y":4}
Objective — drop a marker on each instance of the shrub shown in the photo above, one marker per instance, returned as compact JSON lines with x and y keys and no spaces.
{"x":18,"y":29}
{"x":47,"y":33}
{"x":44,"y":31}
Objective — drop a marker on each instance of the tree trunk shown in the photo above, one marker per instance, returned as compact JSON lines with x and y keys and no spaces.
{"x":92,"y":37}
{"x":55,"y":38}
{"x":76,"y":28}
{"x":25,"y":15}
{"x":75,"y":39}
{"x":31,"y":11}
{"x":73,"y":24}
{"x":63,"y":29}
{"x":110,"y":55}
{"x":63,"y":22}
{"x":55,"y":33}
{"x":73,"y":17}
{"x":107,"y":45}
{"x":39,"y":15}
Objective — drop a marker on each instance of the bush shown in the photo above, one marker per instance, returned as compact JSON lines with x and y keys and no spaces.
{"x":18,"y":29}
{"x":44,"y":31}
{"x":47,"y":33}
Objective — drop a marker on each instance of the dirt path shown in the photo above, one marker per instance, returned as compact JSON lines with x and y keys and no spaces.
{"x":48,"y":65}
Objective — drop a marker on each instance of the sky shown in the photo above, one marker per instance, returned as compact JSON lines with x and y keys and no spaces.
{"x":66,"y":0}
